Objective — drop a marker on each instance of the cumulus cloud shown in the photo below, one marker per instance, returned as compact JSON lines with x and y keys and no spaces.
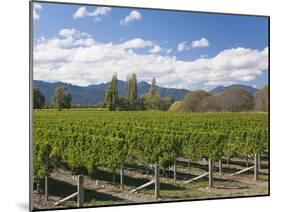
{"x":155,"y":49}
{"x":136,"y":43}
{"x":133,"y":16}
{"x":98,"y":13}
{"x":68,"y":32}
{"x":183,"y":46}
{"x":80,"y":13}
{"x":36,"y":7}
{"x":203,"y":42}
{"x":81,"y":60}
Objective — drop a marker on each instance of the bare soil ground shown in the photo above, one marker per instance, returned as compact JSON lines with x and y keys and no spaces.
{"x":102,"y":191}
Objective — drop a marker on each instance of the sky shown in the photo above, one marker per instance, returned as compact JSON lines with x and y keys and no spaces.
{"x":85,"y":45}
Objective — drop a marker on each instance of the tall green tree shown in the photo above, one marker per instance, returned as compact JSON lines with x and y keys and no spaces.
{"x":62,"y":98}
{"x":132,"y":90}
{"x":152,"y":99}
{"x":152,"y":102}
{"x":111,"y":96}
{"x":38,"y":99}
{"x":153,"y":88}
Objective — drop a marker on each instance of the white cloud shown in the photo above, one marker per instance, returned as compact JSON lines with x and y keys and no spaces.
{"x":183,"y":46}
{"x":136,"y":43}
{"x":68,"y":32}
{"x":80,"y":60}
{"x":80,"y":13}
{"x":98,"y":13}
{"x":36,"y":7}
{"x":133,"y":16}
{"x":155,"y":49}
{"x":203,"y":42}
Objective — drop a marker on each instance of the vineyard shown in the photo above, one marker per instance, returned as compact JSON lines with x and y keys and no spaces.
{"x":87,"y":141}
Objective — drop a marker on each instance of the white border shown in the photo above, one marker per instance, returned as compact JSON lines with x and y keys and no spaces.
{"x":14,"y":106}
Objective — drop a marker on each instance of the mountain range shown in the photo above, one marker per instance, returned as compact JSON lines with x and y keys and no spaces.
{"x":95,"y":93}
{"x":220,"y":89}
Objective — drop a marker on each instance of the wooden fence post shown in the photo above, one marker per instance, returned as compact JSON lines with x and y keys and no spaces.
{"x":157,"y":181}
{"x":256,"y":170}
{"x":259,"y":162}
{"x":228,"y":161}
{"x":46,"y":177}
{"x":46,"y":188}
{"x":122,"y":176}
{"x":211,"y":183}
{"x":220,"y":166}
{"x":113,"y":176}
{"x":175,"y":168}
{"x":80,"y":190}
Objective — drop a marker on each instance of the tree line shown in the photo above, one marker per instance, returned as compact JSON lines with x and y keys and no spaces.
{"x":60,"y":100}
{"x":235,"y":99}
{"x":131,"y":101}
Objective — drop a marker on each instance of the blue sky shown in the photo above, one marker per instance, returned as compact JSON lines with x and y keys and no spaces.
{"x":86,"y":44}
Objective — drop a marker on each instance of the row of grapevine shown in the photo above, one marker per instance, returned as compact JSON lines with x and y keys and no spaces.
{"x":90,"y":139}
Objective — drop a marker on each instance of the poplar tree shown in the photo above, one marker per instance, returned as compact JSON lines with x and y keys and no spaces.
{"x":132,"y":90}
{"x":111,"y":96}
{"x":152,"y":99}
{"x":153,"y":88}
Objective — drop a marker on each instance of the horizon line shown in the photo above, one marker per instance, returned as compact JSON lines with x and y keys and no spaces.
{"x":234,"y":84}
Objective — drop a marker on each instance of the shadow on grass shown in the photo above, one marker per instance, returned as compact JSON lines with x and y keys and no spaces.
{"x":231,"y":187}
{"x":131,"y":182}
{"x":63,"y":189}
{"x":243,"y":163}
{"x":188,"y":176}
{"x":225,"y":168}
